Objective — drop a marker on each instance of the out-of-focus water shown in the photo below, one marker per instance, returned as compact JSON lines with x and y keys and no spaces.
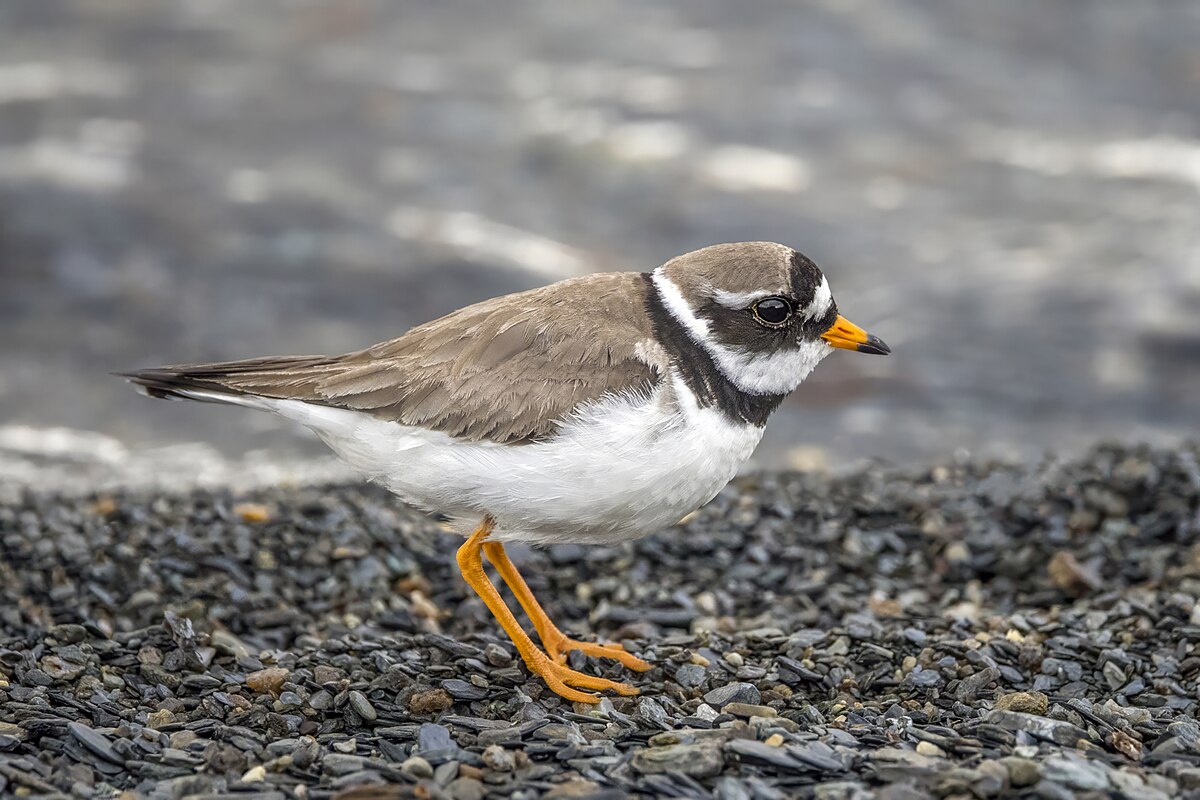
{"x":1008,"y":193}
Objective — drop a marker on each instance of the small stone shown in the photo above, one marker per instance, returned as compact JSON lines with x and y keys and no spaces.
{"x":417,"y":767}
{"x":321,"y":700}
{"x":362,"y":706}
{"x":252,"y":512}
{"x":774,"y":740}
{"x":1053,"y":730}
{"x":1114,"y":675}
{"x":573,"y":789}
{"x":342,"y":763}
{"x":181,"y":739}
{"x":970,"y":687}
{"x":1025,"y":702}
{"x":748,"y":710}
{"x":1072,"y":577}
{"x":992,"y":779}
{"x":689,"y":676}
{"x":96,"y":742}
{"x":160,"y":718}
{"x":734,"y":658}
{"x":432,"y":738}
{"x":930,"y":749}
{"x":733,"y":693}
{"x":895,"y":763}
{"x":255,"y":774}
{"x":1125,"y":744}
{"x":924,"y":678}
{"x":61,"y":669}
{"x":499,"y":759}
{"x":497,"y":656}
{"x":649,"y":710}
{"x":845,"y":790}
{"x":462,"y":690}
{"x":267,"y":680}
{"x":466,"y":789}
{"x":430,"y":701}
{"x":226,"y":641}
{"x":1076,"y":773}
{"x":325,"y":674}
{"x":702,"y":760}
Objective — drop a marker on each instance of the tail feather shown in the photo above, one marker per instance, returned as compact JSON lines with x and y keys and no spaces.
{"x":225,"y":382}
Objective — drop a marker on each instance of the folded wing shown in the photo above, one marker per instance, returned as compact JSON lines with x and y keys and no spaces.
{"x":507,"y":370}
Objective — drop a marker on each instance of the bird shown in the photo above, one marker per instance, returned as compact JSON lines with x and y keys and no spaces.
{"x":594,"y":410}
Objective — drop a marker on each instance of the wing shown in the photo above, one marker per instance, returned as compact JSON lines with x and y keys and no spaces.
{"x":510,"y":369}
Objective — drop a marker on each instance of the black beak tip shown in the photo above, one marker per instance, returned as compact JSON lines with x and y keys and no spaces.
{"x":875,"y":346}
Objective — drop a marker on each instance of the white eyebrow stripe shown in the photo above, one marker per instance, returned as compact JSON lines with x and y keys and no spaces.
{"x":738,"y":300}
{"x":822,"y":299}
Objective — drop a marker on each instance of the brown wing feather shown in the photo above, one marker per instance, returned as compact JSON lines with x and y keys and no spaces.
{"x":510,"y":369}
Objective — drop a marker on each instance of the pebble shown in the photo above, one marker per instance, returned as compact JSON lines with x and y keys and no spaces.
{"x":1022,"y":771}
{"x":362,"y":706}
{"x":1076,"y":773}
{"x":433,"y":737}
{"x":1053,"y":730}
{"x":1025,"y":702}
{"x":930,"y":749}
{"x":690,"y":676}
{"x":462,"y":690}
{"x":430,"y":702}
{"x":416,"y":767}
{"x":702,"y":760}
{"x":269,"y":679}
{"x":970,"y":687}
{"x":465,"y":789}
{"x":256,"y":774}
{"x":748,"y":710}
{"x":499,"y":759}
{"x":96,"y":742}
{"x":733,"y":693}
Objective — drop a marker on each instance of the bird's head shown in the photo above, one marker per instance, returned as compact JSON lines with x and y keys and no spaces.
{"x":763,"y":311}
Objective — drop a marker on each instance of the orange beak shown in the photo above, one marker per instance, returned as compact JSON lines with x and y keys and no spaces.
{"x":848,"y":336}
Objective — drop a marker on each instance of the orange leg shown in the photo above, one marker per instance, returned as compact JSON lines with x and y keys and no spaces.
{"x":557,"y":677}
{"x":557,"y":643}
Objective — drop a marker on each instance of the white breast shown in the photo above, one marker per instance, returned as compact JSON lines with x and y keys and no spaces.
{"x":619,"y":469}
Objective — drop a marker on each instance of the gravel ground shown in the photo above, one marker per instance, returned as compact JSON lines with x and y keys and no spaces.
{"x":964,"y":630}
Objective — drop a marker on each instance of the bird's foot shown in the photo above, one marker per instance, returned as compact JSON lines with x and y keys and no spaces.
{"x":561,"y":678}
{"x":558,"y":648}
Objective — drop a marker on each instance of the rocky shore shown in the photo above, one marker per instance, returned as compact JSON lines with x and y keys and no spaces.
{"x":964,"y":630}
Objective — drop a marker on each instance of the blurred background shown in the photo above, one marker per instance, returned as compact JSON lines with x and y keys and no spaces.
{"x":1008,"y":193}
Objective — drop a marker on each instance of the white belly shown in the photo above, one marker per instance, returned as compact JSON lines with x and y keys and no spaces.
{"x":620,"y":470}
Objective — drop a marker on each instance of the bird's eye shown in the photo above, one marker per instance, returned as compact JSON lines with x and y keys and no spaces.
{"x":772,"y":311}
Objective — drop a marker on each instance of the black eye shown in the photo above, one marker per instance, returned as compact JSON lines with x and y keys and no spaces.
{"x":772,"y":311}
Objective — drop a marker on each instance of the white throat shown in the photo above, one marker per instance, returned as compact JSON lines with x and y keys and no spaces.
{"x":753,"y":373}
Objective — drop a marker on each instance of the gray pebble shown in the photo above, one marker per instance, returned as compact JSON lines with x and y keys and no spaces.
{"x":462,"y":690}
{"x":362,"y":706}
{"x":1076,"y":773}
{"x":1053,"y":730}
{"x":702,"y":760}
{"x":690,"y":676}
{"x":96,"y":742}
{"x":733,"y":693}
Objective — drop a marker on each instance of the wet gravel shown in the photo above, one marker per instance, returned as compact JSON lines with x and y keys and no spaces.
{"x":966,"y":630}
